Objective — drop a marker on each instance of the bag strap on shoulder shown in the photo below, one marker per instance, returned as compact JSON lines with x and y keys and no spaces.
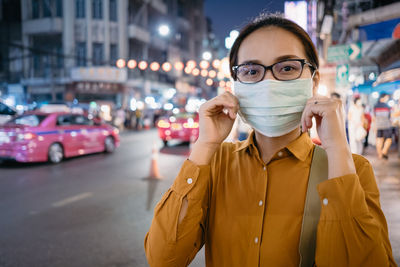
{"x":312,"y":208}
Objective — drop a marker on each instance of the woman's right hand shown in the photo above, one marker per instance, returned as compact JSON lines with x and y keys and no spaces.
{"x":216,"y":118}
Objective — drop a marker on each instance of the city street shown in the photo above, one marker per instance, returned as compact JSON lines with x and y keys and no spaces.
{"x":95,"y":210}
{"x":87,"y":211}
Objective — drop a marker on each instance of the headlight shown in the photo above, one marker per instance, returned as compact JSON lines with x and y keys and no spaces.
{"x":191,"y":125}
{"x":26,"y":136}
{"x":163,"y":124}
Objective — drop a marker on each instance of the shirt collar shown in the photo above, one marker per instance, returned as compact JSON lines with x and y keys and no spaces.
{"x":300,"y":147}
{"x":249,"y":142}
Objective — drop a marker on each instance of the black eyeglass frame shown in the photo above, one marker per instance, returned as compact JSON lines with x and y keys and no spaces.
{"x":266,"y":68}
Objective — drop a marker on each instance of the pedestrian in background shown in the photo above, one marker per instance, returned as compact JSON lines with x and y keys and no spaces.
{"x":127,"y":122}
{"x":119,"y":118}
{"x":357,"y":131}
{"x":138,"y":116}
{"x":367,"y":124}
{"x":383,"y":126}
{"x":156,"y":117}
{"x":245,"y":200}
{"x":396,"y":114}
{"x":396,"y":123}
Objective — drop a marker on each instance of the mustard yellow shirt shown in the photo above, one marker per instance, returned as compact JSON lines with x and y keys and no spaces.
{"x":248,"y":213}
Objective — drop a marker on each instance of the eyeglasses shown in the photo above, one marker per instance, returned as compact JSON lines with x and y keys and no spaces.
{"x":286,"y":70}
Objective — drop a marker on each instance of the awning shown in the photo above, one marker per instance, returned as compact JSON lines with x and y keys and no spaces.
{"x":387,"y":87}
{"x":365,"y":88}
{"x":368,"y":88}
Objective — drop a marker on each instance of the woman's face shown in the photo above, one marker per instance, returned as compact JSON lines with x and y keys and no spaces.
{"x":269,"y":45}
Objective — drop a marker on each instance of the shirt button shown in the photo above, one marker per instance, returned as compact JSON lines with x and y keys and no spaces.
{"x":264,"y":168}
{"x":325,"y":201}
{"x":280,"y":154}
{"x":256,"y":240}
{"x":189,"y":180}
{"x":260,"y":203}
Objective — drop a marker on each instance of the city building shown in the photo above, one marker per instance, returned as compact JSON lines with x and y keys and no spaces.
{"x":10,"y":50}
{"x":358,"y":43}
{"x":185,"y":24}
{"x":68,"y":49}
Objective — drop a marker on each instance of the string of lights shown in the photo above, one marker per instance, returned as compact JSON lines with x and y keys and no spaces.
{"x":217,"y":69}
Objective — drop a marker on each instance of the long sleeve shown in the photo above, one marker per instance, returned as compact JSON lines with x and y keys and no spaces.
{"x":352,"y":230}
{"x":171,"y":244}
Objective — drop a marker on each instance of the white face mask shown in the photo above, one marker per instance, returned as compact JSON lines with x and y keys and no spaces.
{"x":272,"y":107}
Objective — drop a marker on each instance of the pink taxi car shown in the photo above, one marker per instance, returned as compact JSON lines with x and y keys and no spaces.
{"x":39,"y":136}
{"x":183,"y":127}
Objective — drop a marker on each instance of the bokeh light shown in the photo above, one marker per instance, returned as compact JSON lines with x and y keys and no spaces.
{"x":154,"y":66}
{"x":132,"y":64}
{"x":142,"y":65}
{"x":179,"y":66}
{"x":120,"y":63}
{"x":196,"y":72}
{"x":166,"y":66}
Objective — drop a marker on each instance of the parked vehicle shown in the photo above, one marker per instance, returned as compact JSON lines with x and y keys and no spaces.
{"x":6,"y":113}
{"x":54,"y":107}
{"x":39,"y":136}
{"x":182,"y":126}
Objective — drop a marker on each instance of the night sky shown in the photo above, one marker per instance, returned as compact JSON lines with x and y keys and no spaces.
{"x":227,"y":15}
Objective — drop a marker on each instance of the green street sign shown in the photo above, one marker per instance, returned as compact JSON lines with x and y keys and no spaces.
{"x":342,"y":75}
{"x":344,"y":52}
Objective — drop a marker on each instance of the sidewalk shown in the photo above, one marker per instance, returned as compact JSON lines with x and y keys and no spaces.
{"x":387,"y":174}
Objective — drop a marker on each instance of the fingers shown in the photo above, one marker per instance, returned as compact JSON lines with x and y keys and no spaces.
{"x":225,"y":103}
{"x":319,"y":107}
{"x":233,"y":101}
{"x":306,"y":118}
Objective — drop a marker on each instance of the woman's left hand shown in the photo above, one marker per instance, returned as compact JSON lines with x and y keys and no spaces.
{"x":329,"y":117}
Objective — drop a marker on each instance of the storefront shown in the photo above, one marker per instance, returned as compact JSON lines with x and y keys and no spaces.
{"x":97,"y":84}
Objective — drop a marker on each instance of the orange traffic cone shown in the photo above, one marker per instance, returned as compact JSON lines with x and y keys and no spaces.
{"x":154,"y":172}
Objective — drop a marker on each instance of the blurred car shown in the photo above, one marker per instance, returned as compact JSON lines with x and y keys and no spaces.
{"x":54,"y":107}
{"x":182,"y":126}
{"x":6,"y":113}
{"x":39,"y":136}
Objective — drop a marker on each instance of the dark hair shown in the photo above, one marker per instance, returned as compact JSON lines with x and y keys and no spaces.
{"x":356,"y":99}
{"x":335,"y":94}
{"x":274,"y":20}
{"x":382,"y":95}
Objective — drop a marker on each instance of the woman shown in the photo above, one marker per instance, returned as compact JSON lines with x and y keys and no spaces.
{"x":245,"y":200}
{"x":357,"y":132}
